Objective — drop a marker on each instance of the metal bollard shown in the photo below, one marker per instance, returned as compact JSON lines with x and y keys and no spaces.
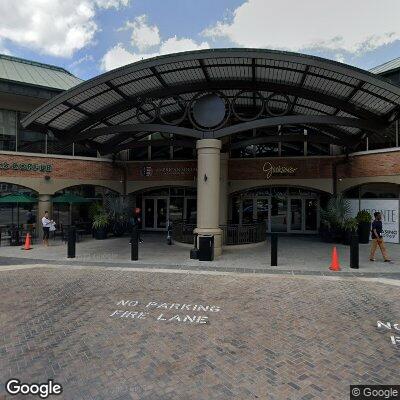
{"x":194,"y":253}
{"x":354,"y":251}
{"x":135,"y":244}
{"x":169,"y":234}
{"x":71,"y":242}
{"x":274,"y":249}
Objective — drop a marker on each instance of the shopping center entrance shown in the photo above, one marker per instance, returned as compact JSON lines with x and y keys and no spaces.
{"x":169,"y":204}
{"x":283,"y":209}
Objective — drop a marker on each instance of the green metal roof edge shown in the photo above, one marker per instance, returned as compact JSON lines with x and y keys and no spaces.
{"x":35,"y":85}
{"x":37,"y":64}
{"x":387,"y":63}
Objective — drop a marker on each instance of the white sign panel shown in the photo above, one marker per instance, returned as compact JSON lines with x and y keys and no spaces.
{"x":389,"y":210}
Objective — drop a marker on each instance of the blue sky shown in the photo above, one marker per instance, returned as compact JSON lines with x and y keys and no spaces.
{"x":89,"y":37}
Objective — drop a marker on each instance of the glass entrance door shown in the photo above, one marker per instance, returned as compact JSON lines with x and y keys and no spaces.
{"x":155,"y":213}
{"x":296,"y":214}
{"x":278,"y":214}
{"x":161,"y":215}
{"x":311,"y":215}
{"x":148,"y":222}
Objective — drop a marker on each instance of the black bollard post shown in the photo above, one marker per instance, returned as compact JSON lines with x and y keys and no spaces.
{"x":169,"y":234}
{"x":274,"y":249}
{"x":71,"y":242}
{"x":135,"y":244}
{"x":194,"y":253}
{"x":354,"y":251}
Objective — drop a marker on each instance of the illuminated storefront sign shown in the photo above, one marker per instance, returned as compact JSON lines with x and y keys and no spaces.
{"x":278,"y":170}
{"x":26,"y":167}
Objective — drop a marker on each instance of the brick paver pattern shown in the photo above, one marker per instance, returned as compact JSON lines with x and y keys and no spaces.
{"x":275,"y":337}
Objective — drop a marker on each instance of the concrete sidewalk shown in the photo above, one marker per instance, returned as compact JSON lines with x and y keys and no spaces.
{"x":298,"y":254}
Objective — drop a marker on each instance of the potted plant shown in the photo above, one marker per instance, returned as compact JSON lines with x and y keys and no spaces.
{"x":364,"y":226}
{"x":333,"y":217}
{"x":350,"y":226}
{"x":100,"y":224}
{"x":325,"y":231}
{"x":118,"y":209}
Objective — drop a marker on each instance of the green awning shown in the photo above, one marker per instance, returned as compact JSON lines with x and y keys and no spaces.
{"x":70,"y":198}
{"x":17,"y":199}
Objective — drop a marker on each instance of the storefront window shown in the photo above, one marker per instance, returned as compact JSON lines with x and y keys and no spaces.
{"x":175,"y":208}
{"x":282,"y":209}
{"x":235,"y":210}
{"x":296,"y":214}
{"x":374,"y":191}
{"x":8,"y":130}
{"x":191,"y":211}
{"x":247,"y":212}
{"x":262,"y":210}
{"x":83,"y":151}
{"x":311,"y":214}
{"x":79,"y":212}
{"x":55,"y":147}
{"x":278,"y":214}
{"x":17,"y":214}
{"x":166,"y":204}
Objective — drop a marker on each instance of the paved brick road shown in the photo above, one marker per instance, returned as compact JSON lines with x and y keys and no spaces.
{"x":265,"y":337}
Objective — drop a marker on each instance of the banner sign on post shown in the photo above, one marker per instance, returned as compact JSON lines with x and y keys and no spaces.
{"x":389,"y":210}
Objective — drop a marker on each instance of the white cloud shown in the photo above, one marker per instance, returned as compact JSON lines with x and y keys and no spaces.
{"x":353,"y":26}
{"x":143,"y":36}
{"x":175,"y":45}
{"x":118,"y":55}
{"x":55,"y":27}
{"x":87,"y":57}
{"x":112,"y":3}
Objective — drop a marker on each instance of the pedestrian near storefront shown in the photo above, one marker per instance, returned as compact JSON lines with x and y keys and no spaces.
{"x":46,"y":223}
{"x":377,"y":239}
{"x":135,"y":224}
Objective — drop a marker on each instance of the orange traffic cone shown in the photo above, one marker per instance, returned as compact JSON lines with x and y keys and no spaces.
{"x":27,"y":245}
{"x":335,"y":260}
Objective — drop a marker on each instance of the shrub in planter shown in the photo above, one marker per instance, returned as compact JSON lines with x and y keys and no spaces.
{"x":100,"y":224}
{"x":325,"y":232}
{"x":350,"y":226}
{"x":333,"y":216}
{"x":364,"y":226}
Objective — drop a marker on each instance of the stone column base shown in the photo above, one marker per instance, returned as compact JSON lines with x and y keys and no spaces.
{"x":217,"y":233}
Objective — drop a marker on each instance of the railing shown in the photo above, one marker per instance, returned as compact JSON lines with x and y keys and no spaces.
{"x":232,"y":234}
{"x":183,"y":232}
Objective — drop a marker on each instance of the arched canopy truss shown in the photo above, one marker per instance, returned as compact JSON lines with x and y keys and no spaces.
{"x":340,"y":104}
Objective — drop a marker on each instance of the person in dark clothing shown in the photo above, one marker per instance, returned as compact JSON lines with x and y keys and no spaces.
{"x":135,"y":223}
{"x":377,"y":239}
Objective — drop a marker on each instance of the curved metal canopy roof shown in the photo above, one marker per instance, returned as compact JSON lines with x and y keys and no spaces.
{"x":267,"y":88}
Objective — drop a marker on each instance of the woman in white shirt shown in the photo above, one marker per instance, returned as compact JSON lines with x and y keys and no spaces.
{"x":46,"y":222}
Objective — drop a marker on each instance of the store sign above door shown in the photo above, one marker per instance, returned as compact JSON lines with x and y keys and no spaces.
{"x":26,"y":167}
{"x":278,"y":170}
{"x":165,"y":171}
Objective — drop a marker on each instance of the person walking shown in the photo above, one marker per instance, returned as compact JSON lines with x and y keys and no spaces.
{"x":46,"y":223}
{"x":377,"y":239}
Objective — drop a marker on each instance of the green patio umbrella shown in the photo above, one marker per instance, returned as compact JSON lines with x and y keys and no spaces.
{"x":17,"y":198}
{"x":69,"y":198}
